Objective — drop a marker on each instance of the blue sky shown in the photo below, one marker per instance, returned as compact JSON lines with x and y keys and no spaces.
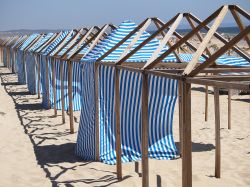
{"x":60,"y":14}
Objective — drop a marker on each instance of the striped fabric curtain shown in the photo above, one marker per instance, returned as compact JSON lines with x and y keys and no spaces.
{"x":162,"y":99}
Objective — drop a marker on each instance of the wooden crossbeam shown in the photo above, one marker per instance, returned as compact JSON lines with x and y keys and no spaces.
{"x":51,"y":40}
{"x":168,"y":43}
{"x":81,"y":41}
{"x":71,"y":58}
{"x":219,"y":53}
{"x":96,"y":40}
{"x":240,"y":24}
{"x":122,"y":41}
{"x":206,"y":40}
{"x":184,"y":39}
{"x":179,"y":36}
{"x":222,"y":39}
{"x":69,"y":43}
{"x":59,"y":45}
{"x":135,"y":39}
{"x":165,"y":39}
{"x":220,"y":84}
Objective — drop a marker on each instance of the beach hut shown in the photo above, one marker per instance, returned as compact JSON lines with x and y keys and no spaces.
{"x":31,"y":65}
{"x":21,"y":68}
{"x":67,"y":85}
{"x":188,"y":76}
{"x":90,"y":130}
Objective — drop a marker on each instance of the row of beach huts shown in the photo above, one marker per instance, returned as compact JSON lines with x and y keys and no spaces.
{"x":126,"y":81}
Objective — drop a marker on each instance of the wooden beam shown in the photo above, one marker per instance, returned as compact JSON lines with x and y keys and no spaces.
{"x":205,"y":41}
{"x":180,"y":95}
{"x":217,"y":133}
{"x":54,"y":84}
{"x":222,"y":39}
{"x":69,"y":43}
{"x":122,"y":41}
{"x":186,"y":137}
{"x":62,"y":90}
{"x":78,"y":49}
{"x":60,"y":44}
{"x":135,"y":39}
{"x":47,"y":81}
{"x":221,"y":84}
{"x":70,"y":94}
{"x":229,"y":108}
{"x":118,"y":127}
{"x":240,"y":24}
{"x":218,"y":53}
{"x":48,"y":42}
{"x":37,"y":60}
{"x":144,"y":103}
{"x":184,"y":39}
{"x":96,"y":40}
{"x":71,"y":57}
{"x":165,"y":39}
{"x":97,"y":135}
{"x":132,"y":52}
{"x":168,"y":43}
{"x":198,"y":34}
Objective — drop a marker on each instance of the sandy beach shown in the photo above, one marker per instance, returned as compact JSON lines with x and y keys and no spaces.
{"x":36,"y":149}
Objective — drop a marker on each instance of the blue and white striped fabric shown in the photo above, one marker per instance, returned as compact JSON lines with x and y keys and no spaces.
{"x":12,"y":51}
{"x":32,"y":74}
{"x":123,"y":30}
{"x":5,"y":56}
{"x":75,"y":79}
{"x":55,"y":43}
{"x":66,"y":40}
{"x":232,"y":61}
{"x":21,"y":72}
{"x":162,"y":99}
{"x":42,"y":41}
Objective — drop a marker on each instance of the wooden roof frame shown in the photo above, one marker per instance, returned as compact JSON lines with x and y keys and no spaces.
{"x":187,"y":77}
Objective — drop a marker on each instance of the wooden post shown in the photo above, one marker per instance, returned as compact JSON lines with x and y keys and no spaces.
{"x":180,"y":90}
{"x":118,"y":128}
{"x":186,"y":137}
{"x":206,"y":102}
{"x":70,"y":94}
{"x":97,"y":113}
{"x":229,"y":107}
{"x":13,"y":61}
{"x":62,"y":91}
{"x":24,"y":67}
{"x":144,"y":103}
{"x":53,"y":61}
{"x":38,"y":76}
{"x":217,"y":133}
{"x":47,"y":80}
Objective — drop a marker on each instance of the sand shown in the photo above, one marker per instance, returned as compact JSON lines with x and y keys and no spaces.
{"x":36,"y":149}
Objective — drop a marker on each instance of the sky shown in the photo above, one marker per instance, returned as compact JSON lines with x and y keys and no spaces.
{"x":68,"y":14}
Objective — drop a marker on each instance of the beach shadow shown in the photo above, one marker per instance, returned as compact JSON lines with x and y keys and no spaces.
{"x":243,"y":100}
{"x":19,"y":93}
{"x":201,"y":89}
{"x":10,"y":83}
{"x":56,"y":154}
{"x":50,"y":157}
{"x":199,"y":147}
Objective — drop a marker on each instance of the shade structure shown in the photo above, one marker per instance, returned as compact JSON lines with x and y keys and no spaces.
{"x":162,"y":91}
{"x":13,"y":53}
{"x":21,"y":71}
{"x":61,"y":64}
{"x":31,"y":65}
{"x":47,"y":61}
